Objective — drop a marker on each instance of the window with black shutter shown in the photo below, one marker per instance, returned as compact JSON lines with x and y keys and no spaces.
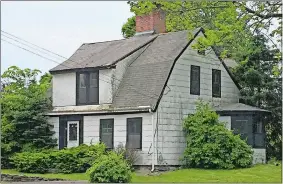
{"x":106,"y":132}
{"x":87,"y":88}
{"x":216,"y":83}
{"x":195,"y":80}
{"x":134,"y":133}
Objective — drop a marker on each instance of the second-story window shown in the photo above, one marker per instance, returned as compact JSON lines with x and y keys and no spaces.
{"x":195,"y":80}
{"x":216,"y":83}
{"x":87,"y":88}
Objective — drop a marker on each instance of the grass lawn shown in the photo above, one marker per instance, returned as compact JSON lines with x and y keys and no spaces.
{"x":258,"y":173}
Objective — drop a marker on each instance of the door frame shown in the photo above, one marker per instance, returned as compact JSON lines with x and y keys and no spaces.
{"x":63,"y":125}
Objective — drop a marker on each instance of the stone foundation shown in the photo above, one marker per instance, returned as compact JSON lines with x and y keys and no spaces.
{"x":21,"y":178}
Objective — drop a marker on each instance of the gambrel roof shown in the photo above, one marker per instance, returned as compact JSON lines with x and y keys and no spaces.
{"x":145,"y":78}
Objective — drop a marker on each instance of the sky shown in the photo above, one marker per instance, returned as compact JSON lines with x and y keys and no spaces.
{"x":60,"y":27}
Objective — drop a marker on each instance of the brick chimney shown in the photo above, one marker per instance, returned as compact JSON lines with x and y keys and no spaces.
{"x":154,"y":21}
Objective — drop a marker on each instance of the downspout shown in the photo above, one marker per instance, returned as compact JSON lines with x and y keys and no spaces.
{"x":153,"y":154}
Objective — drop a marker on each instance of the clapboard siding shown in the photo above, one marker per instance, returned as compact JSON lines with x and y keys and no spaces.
{"x":55,"y":122}
{"x":177,"y":102}
{"x":91,"y":132}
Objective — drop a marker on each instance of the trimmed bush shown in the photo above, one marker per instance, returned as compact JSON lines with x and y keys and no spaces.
{"x":110,"y":168}
{"x":211,"y":145}
{"x":31,"y":162}
{"x":72,"y":160}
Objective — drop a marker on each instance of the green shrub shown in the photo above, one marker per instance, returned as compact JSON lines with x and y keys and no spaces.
{"x":130,"y":155}
{"x":110,"y":168}
{"x":31,"y":162}
{"x":69,"y":160}
{"x":211,"y":145}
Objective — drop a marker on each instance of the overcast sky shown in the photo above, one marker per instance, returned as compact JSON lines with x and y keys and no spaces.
{"x":58,"y":26}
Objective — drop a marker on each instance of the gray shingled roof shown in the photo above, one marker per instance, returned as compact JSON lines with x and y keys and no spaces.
{"x":145,"y":78}
{"x":238,"y":107}
{"x":103,"y":53}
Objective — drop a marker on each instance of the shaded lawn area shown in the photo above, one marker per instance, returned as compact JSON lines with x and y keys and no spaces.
{"x":258,"y":173}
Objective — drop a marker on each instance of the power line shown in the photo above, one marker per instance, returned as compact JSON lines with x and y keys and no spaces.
{"x":33,"y":44}
{"x":65,"y":58}
{"x":69,"y":67}
{"x":25,"y":44}
{"x":73,"y":60}
{"x":29,"y":50}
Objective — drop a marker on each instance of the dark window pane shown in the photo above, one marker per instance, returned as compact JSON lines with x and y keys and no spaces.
{"x":216,"y":83}
{"x":93,"y":95}
{"x":93,"y":80}
{"x":134,"y":133}
{"x":73,"y":132}
{"x":243,"y":126}
{"x":259,"y":140}
{"x":258,"y":127}
{"x":106,"y":132}
{"x":201,"y":52}
{"x":87,"y":88}
{"x":82,"y":88}
{"x":83,"y":78}
{"x":195,"y":80}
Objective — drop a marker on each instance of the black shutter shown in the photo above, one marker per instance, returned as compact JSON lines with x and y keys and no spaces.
{"x":195,"y":80}
{"x":62,"y":132}
{"x":81,"y":132}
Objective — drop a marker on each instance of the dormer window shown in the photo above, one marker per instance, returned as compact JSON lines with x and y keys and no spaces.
{"x":87,"y":88}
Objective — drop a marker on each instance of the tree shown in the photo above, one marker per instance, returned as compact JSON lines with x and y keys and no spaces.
{"x":210,"y":144}
{"x":129,"y":28}
{"x":263,"y":89}
{"x":24,"y":107}
{"x":228,"y":25}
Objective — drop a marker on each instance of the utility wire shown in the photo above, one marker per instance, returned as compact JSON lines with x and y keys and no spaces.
{"x":70,"y":59}
{"x":34,"y":44}
{"x":26,"y":45}
{"x":29,"y":51}
{"x":69,"y":67}
{"x":67,"y":59}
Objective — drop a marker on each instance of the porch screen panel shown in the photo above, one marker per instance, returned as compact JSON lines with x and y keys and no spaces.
{"x":259,"y":135}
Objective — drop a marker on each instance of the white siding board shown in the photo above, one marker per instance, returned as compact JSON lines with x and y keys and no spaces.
{"x":64,"y":89}
{"x":178,"y":103}
{"x":91,"y":132}
{"x":55,"y":122}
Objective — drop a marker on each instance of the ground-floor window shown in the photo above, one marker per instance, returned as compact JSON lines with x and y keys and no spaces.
{"x":106,"y":132}
{"x":134,"y":133}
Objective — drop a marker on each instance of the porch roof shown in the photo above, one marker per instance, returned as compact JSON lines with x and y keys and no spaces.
{"x":238,"y":107}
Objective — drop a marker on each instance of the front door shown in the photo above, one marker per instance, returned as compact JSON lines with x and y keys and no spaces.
{"x":72,"y":134}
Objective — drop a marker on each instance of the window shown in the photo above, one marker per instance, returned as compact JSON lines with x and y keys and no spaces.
{"x":195,"y":80}
{"x":106,"y":132}
{"x":73,"y":131}
{"x":87,"y":88}
{"x":201,"y":52}
{"x":134,"y":133}
{"x":216,"y":83}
